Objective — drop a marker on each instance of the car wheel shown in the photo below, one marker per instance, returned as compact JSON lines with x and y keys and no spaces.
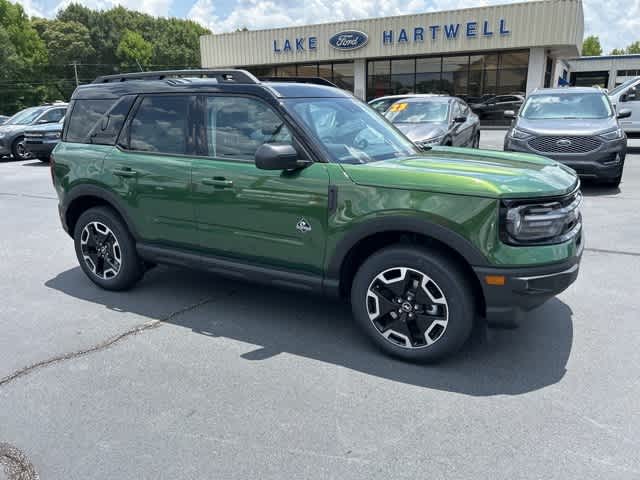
{"x":106,"y":250}
{"x":18,"y":150}
{"x":413,"y":303}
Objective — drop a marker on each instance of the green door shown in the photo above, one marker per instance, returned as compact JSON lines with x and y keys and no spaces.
{"x":151,"y":170}
{"x":274,"y":218}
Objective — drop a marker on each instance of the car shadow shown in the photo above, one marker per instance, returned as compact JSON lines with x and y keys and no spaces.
{"x":36,"y":163}
{"x":493,"y":362}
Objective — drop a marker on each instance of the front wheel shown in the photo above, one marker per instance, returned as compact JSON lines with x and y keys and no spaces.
{"x":413,"y":303}
{"x":18,"y":149}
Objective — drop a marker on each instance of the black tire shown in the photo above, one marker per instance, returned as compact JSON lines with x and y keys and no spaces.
{"x":476,"y":141}
{"x":449,"y":280}
{"x":18,"y":151}
{"x":131,"y":267}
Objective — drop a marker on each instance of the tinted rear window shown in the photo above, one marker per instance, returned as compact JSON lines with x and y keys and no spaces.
{"x":106,"y":130}
{"x":84,"y":117}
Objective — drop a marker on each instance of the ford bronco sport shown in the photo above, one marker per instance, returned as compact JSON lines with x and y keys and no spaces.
{"x":304,"y":186}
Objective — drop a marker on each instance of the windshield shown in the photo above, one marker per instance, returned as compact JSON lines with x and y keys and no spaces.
{"x":25,"y":117}
{"x":418,"y":112}
{"x":350,"y":131}
{"x":622,"y":86}
{"x":567,"y":106}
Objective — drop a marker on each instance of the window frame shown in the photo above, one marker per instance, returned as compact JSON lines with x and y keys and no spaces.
{"x":299,"y":145}
{"x":123,"y":141}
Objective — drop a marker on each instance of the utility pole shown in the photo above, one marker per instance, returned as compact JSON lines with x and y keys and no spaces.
{"x":75,"y":69}
{"x":139,"y":66}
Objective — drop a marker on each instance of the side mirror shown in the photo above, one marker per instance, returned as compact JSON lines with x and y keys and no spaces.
{"x":278,"y":156}
{"x":509,"y":114}
{"x":42,"y":121}
{"x":460,"y":119}
{"x":624,"y":113}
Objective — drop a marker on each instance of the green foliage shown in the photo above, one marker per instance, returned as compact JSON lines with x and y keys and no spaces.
{"x":617,"y":51}
{"x":591,"y":46}
{"x":37,"y":55}
{"x":633,"y":48}
{"x":133,"y":49}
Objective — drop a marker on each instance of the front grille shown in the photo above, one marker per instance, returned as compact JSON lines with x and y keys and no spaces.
{"x":560,"y":144}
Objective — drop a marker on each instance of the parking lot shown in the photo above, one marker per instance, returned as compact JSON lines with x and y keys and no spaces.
{"x":193,"y":376}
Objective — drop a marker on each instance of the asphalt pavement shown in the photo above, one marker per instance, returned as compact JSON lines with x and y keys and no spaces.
{"x":191,"y":376}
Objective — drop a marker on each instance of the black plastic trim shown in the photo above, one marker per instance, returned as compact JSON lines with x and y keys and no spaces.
{"x":332,"y":201}
{"x":231,"y":268}
{"x":110,"y":198}
{"x":471,"y":254}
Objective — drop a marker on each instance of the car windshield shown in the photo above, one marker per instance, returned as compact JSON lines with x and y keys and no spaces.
{"x":622,"y":86}
{"x":418,"y":112}
{"x":382,"y":105}
{"x":567,"y":106}
{"x":350,"y":131}
{"x":25,"y":117}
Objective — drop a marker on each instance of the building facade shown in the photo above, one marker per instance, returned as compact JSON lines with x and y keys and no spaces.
{"x":605,"y":71}
{"x":473,"y":52}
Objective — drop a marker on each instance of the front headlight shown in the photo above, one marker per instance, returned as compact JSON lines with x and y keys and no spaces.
{"x":616,"y":134}
{"x":519,"y":134}
{"x":541,"y":222}
{"x":52,"y":135}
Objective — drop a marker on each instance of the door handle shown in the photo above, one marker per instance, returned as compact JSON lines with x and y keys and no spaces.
{"x":217,"y":182}
{"x":124,"y":172}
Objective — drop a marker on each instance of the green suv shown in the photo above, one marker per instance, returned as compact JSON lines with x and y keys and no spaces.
{"x":301,"y":185}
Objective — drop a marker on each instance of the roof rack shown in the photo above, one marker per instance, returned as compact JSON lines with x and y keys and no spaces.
{"x":222,"y":76}
{"x":314,"y":80}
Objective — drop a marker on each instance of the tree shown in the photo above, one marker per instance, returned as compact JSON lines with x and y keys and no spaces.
{"x":617,"y":51}
{"x":633,"y":48}
{"x":67,"y":42}
{"x":591,"y":46}
{"x":134,"y":49}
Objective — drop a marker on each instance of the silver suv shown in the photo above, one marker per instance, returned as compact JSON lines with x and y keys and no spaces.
{"x":575,"y":126}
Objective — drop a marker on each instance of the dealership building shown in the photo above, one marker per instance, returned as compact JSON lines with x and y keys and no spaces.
{"x":503,"y":49}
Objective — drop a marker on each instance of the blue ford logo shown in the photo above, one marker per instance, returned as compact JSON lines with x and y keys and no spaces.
{"x":348,"y":40}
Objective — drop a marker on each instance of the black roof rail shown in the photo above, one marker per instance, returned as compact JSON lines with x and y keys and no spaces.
{"x":314,"y":80}
{"x":222,"y":76}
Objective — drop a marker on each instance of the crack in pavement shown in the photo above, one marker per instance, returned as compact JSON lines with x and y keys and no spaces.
{"x":105,"y":344}
{"x":615,"y":252}
{"x":15,"y":463}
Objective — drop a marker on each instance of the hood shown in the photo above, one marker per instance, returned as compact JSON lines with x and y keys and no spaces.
{"x":12,"y":128}
{"x":48,"y":127}
{"x":567,"y":126}
{"x":463,"y":171}
{"x":417,"y":132}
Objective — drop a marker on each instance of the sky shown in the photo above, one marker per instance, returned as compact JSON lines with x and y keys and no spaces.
{"x":616,"y":22}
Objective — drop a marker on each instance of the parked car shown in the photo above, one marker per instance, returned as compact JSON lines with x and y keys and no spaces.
{"x":495,"y":107}
{"x":40,"y":140}
{"x":303,"y":186}
{"x":12,"y":131}
{"x":438,"y":120}
{"x":627,"y":97}
{"x":381,"y":104}
{"x":3,"y":118}
{"x":575,"y":126}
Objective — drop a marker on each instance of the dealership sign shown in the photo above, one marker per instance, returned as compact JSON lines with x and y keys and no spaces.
{"x":349,"y":40}
{"x":353,"y":39}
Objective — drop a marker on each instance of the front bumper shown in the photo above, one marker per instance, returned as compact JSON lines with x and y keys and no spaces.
{"x":5,"y":148}
{"x":526,"y":288}
{"x":40,"y":148}
{"x":606,"y":162}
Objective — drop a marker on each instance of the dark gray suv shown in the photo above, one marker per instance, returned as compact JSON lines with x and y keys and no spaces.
{"x":575,"y":126}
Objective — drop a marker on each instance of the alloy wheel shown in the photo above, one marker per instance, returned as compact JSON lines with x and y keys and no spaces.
{"x":407,"y":307}
{"x":101,"y":250}
{"x":21,"y":151}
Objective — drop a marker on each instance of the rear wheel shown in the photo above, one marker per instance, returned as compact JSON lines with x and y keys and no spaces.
{"x":413,"y":303}
{"x":106,"y":250}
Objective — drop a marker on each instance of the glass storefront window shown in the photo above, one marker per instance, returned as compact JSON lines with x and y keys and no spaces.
{"x":343,"y":75}
{"x":286,"y":71}
{"x":403,"y":76}
{"x":455,"y":75}
{"x":308,"y":70}
{"x":379,"y":78}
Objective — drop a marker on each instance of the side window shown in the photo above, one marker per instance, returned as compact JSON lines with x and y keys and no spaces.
{"x":52,"y":116}
{"x":456,"y":111}
{"x":465,"y":109}
{"x":106,"y":130}
{"x":84,"y":116}
{"x":160,"y":124}
{"x":237,"y":126}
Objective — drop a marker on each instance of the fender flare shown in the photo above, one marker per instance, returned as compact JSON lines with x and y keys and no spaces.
{"x":108,"y":197}
{"x":455,"y":241}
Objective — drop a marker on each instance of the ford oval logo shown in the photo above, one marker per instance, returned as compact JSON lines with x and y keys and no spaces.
{"x":349,"y":40}
{"x":564,"y":142}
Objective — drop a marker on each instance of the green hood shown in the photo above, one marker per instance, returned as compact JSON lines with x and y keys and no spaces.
{"x":485,"y":173}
